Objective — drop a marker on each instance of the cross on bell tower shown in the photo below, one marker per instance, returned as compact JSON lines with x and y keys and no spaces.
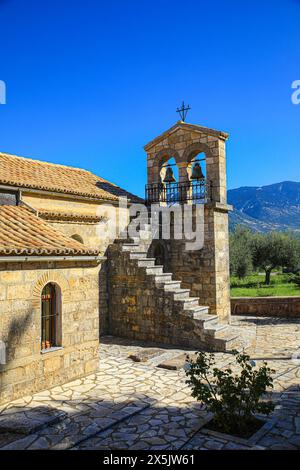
{"x":183,"y":111}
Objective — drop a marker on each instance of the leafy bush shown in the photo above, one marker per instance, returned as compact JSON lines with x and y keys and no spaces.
{"x":233,"y":398}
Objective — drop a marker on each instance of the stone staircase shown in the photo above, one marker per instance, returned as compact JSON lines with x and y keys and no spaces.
{"x":206,"y":330}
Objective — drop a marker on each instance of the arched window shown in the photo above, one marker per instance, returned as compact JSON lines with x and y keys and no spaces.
{"x":77,"y":237}
{"x":51,"y":321}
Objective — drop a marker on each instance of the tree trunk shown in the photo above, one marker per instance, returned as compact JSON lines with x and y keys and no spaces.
{"x":268,"y":277}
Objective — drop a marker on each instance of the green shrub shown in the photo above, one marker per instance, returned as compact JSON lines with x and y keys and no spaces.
{"x":233,"y":398}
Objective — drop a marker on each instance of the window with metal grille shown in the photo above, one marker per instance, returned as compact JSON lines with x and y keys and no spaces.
{"x":50,"y":316}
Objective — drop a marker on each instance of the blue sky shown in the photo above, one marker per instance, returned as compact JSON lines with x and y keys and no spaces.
{"x":90,"y":82}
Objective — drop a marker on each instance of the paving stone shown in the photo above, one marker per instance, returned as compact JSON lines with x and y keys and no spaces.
{"x":174,"y":363}
{"x":108,"y":409}
{"x":28,"y":421}
{"x":297,"y":424}
{"x":144,"y":355}
{"x":213,"y":444}
{"x":21,"y":444}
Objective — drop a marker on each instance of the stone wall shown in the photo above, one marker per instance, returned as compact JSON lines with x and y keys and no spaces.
{"x":266,"y":306}
{"x":140,"y":310}
{"x":95,"y":234}
{"x":204,"y":271}
{"x":27,"y":369}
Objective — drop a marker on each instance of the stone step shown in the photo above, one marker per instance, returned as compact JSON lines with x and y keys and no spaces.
{"x":171,"y":285}
{"x":179,"y":294}
{"x":202,"y":316}
{"x":213,"y":329}
{"x":226,"y":342}
{"x":189,"y":302}
{"x":138,"y":255}
{"x":199,"y":310}
{"x":24,"y":421}
{"x":77,"y":427}
{"x":146,"y":262}
{"x":233,"y":340}
{"x":206,"y":319}
{"x":163,"y":278}
{"x":154,"y":270}
{"x":132,"y":247}
{"x":205,"y":316}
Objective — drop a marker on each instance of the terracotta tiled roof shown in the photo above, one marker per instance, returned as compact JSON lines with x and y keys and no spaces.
{"x":23,"y":233}
{"x":35,"y":174}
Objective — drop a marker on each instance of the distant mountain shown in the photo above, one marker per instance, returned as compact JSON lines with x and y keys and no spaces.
{"x":265,"y":208}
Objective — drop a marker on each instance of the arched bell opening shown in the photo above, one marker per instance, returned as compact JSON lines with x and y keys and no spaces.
{"x":169,"y":177}
{"x":197,"y":177}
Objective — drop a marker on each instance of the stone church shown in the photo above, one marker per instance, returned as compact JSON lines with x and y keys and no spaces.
{"x":64,"y":282}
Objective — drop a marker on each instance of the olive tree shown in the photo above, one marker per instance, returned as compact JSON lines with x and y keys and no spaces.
{"x":241,"y":252}
{"x":274,"y":250}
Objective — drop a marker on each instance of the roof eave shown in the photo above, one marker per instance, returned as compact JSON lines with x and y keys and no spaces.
{"x":48,"y":192}
{"x":22,"y":258}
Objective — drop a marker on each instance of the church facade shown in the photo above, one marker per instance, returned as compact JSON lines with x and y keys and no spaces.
{"x":64,"y":279}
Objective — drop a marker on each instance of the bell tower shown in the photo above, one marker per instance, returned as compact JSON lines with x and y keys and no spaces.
{"x":200,"y":162}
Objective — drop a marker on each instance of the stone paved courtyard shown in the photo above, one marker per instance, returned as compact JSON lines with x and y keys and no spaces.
{"x":138,"y":405}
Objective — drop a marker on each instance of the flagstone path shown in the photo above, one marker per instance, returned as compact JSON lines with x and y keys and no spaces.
{"x":137,"y":405}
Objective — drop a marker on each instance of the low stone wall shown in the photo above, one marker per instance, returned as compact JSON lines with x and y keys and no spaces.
{"x":266,"y":306}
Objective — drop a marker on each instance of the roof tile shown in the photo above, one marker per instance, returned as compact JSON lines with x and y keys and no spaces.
{"x":27,"y":173}
{"x":23,"y":233}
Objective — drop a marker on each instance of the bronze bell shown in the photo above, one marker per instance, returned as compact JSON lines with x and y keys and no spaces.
{"x":197,"y":172}
{"x":169,"y":177}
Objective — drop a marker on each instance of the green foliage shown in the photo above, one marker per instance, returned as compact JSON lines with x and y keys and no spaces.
{"x":267,"y":251}
{"x":240,"y":252}
{"x":274,"y":250}
{"x":233,"y":398}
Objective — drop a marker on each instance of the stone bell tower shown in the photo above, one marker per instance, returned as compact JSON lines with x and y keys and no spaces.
{"x":205,"y":271}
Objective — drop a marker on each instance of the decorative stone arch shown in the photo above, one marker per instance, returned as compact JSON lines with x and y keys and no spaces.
{"x":162,"y":157}
{"x":165,"y":153}
{"x":192,"y":150}
{"x":47,"y":277}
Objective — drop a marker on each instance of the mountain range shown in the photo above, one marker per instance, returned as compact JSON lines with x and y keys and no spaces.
{"x":266,"y":208}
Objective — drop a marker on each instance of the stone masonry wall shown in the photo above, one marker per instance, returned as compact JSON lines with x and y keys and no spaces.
{"x":204,"y":271}
{"x":139,"y":310}
{"x":27,"y":369}
{"x":93,"y":234}
{"x":266,"y":306}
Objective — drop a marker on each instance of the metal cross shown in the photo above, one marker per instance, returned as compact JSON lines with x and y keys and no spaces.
{"x":183,"y":111}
